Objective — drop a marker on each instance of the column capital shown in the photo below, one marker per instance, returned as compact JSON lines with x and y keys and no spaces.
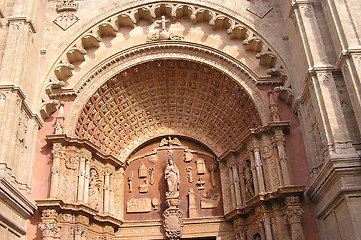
{"x":293,"y":215}
{"x":23,"y":19}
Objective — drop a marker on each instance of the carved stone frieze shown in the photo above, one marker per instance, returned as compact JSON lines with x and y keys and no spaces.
{"x":195,"y":14}
{"x":49,"y":213}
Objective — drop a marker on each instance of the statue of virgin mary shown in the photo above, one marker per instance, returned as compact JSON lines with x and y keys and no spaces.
{"x":172,"y":178}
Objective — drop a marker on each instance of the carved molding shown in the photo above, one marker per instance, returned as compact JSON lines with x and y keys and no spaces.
{"x":101,"y":76}
{"x":128,"y":18}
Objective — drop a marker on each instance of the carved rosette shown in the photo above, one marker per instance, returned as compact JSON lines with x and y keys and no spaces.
{"x":173,"y":223}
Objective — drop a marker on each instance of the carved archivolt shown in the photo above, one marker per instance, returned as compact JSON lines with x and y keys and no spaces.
{"x":110,"y":26}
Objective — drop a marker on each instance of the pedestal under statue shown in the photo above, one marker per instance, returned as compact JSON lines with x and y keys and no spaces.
{"x":173,"y":222}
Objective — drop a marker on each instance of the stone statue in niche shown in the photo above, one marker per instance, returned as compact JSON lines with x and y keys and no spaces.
{"x":172,"y":177}
{"x":189,"y":174}
{"x":130,"y":181}
{"x":201,"y":167}
{"x":151,"y":176}
{"x":94,"y":186}
{"x":248,"y":180}
{"x":142,"y":171}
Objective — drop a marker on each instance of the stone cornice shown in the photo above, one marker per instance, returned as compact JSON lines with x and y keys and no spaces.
{"x":25,"y":105}
{"x":78,"y":208}
{"x":15,"y":199}
{"x":346,"y":54}
{"x":307,"y":79}
{"x":261,"y":199}
{"x":81,"y":143}
{"x":331,"y":172}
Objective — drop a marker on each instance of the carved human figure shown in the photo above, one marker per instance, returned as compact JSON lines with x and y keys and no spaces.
{"x":172,"y":178}
{"x":94,"y":185}
{"x":248,"y":180}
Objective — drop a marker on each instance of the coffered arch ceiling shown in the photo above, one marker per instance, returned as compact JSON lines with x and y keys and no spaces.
{"x":167,"y":97}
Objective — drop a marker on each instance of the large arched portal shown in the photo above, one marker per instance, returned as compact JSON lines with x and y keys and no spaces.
{"x":169,"y":138}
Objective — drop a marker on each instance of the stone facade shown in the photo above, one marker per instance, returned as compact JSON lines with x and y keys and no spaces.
{"x":231,"y":120}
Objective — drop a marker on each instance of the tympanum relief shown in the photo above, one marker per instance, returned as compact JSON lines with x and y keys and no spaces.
{"x":172,"y":173}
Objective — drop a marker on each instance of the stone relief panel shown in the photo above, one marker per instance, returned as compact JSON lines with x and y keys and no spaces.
{"x":206,"y":199}
{"x":69,"y":174}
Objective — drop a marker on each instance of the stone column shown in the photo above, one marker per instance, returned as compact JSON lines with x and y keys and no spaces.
{"x":323,"y":85}
{"x":282,"y":156}
{"x":237,"y":189}
{"x":192,"y":204}
{"x":48,"y":225}
{"x":55,"y":169}
{"x":86,"y":181}
{"x":81,"y":179}
{"x":243,"y":235}
{"x":233,"y":197}
{"x":350,"y":51}
{"x":79,"y":233}
{"x":106,"y":191}
{"x":267,"y":228}
{"x":259,"y":170}
{"x":254,"y":175}
{"x":293,"y":216}
{"x":119,"y":193}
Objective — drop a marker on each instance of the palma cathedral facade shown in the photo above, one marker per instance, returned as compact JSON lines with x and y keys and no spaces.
{"x":199,"y":119}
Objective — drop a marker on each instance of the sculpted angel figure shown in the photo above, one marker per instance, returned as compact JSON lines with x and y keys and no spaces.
{"x":172,"y":178}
